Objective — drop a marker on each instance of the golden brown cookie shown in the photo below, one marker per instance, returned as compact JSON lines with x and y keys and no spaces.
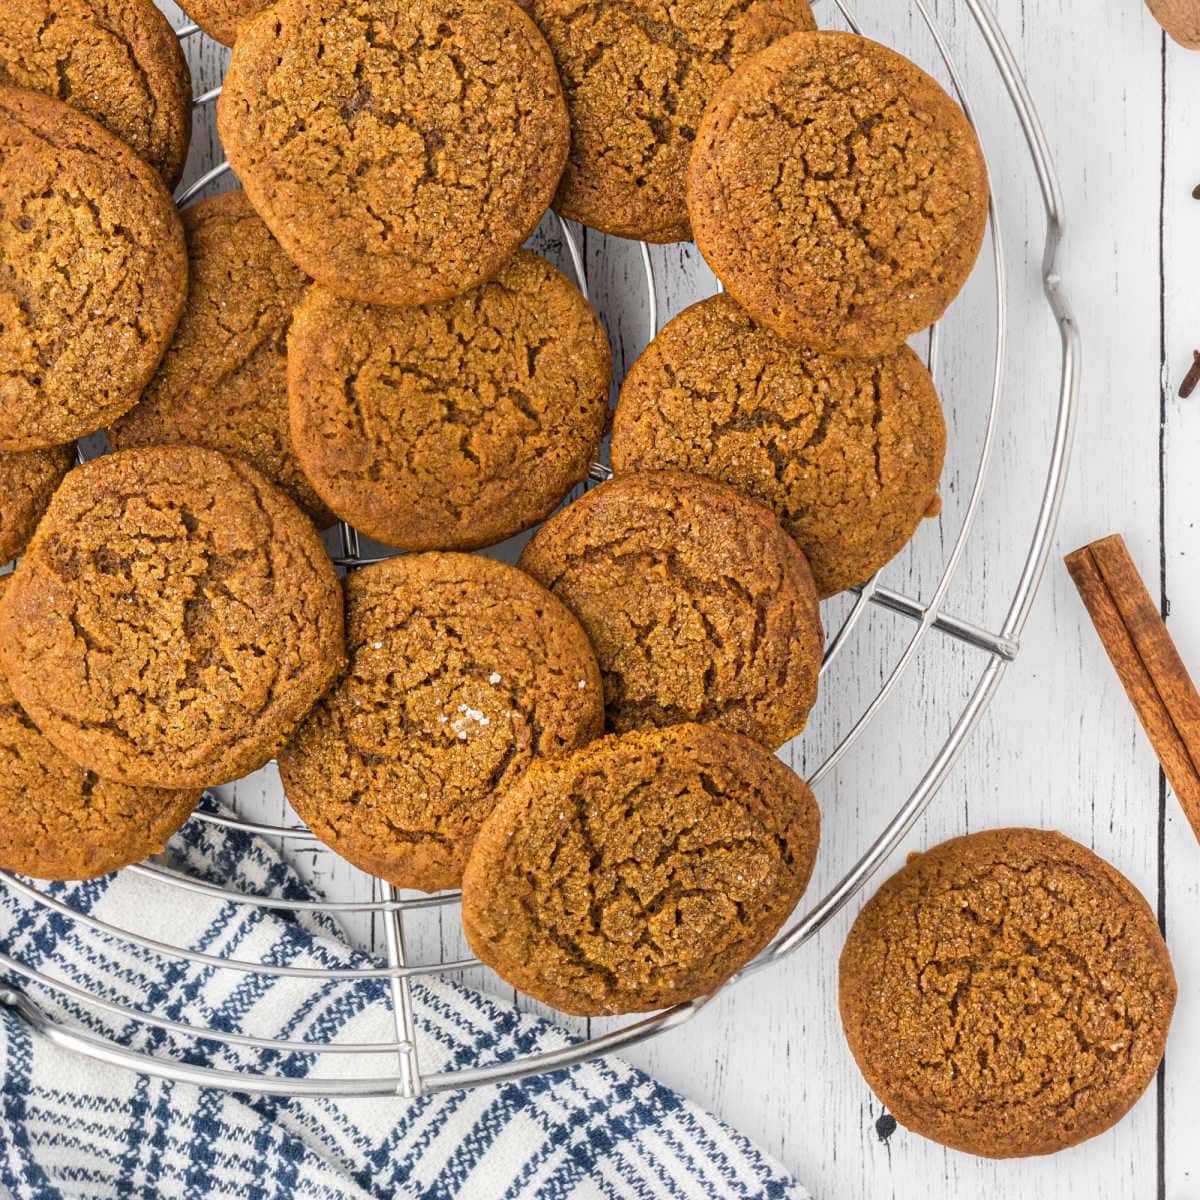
{"x":116,"y":60}
{"x":838,"y":193}
{"x":637,"y":75}
{"x":641,"y":871}
{"x":173,"y":620}
{"x":220,"y":19}
{"x":699,"y":606}
{"x":461,"y":671}
{"x":58,"y":821}
{"x":1007,"y":993}
{"x":450,"y":426}
{"x":847,"y":452}
{"x":93,"y":273}
{"x":223,"y":381}
{"x":400,"y":153}
{"x":27,"y":481}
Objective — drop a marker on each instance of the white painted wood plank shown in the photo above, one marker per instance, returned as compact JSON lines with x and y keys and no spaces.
{"x":1181,"y":546}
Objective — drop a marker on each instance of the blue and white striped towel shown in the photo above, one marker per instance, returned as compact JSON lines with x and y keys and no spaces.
{"x":72,"y":1127}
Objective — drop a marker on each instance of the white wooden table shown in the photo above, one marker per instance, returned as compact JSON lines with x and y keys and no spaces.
{"x":1059,"y":746}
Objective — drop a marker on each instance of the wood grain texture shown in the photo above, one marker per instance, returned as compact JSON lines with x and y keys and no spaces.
{"x":1059,"y":747}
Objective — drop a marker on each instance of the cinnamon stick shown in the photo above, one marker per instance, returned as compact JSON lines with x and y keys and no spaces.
{"x":1145,"y":657}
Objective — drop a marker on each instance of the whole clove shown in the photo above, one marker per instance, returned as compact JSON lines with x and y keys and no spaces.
{"x":1192,"y":378}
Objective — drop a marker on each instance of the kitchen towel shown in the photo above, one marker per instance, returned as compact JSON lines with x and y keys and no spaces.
{"x":75,"y":1128}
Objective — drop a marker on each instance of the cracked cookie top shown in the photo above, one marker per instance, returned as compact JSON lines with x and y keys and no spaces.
{"x":119,"y":61}
{"x":223,"y":381}
{"x":450,"y":426}
{"x":699,"y":605}
{"x":1007,"y":993}
{"x":637,"y":75}
{"x":93,"y":273}
{"x":462,"y":670}
{"x":173,"y":620}
{"x":838,"y":193}
{"x":59,"y":821}
{"x":847,"y":452}
{"x":641,"y":871}
{"x":27,"y":481}
{"x":399,"y":152}
{"x":220,"y":19}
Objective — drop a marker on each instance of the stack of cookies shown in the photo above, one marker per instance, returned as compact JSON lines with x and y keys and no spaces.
{"x":584,"y":741}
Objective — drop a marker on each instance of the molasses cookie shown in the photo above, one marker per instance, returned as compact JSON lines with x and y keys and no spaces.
{"x":847,"y":452}
{"x":400,"y":153}
{"x":220,"y":19}
{"x":699,"y":605}
{"x":58,"y":821}
{"x":637,"y":76}
{"x":173,"y":620}
{"x":93,"y":273}
{"x":1007,"y":993}
{"x":27,"y":481}
{"x":223,"y":381}
{"x":838,"y":193}
{"x":116,"y":60}
{"x":461,"y":671}
{"x":450,"y":426}
{"x":641,"y":871}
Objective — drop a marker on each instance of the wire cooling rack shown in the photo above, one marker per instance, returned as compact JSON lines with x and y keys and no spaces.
{"x":993,"y":646}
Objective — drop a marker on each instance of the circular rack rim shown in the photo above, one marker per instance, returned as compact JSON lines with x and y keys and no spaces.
{"x":1000,"y":647}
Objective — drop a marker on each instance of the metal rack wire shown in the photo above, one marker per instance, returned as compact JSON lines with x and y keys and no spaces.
{"x":997,"y":646}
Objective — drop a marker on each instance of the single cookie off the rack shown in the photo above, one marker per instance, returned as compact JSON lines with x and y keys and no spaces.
{"x":838,"y":192}
{"x":1007,"y":993}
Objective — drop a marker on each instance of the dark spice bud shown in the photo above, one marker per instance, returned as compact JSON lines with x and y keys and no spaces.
{"x":1188,"y":386}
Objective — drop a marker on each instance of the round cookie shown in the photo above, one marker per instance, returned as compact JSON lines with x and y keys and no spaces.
{"x":641,"y":871}
{"x":118,"y":61}
{"x":847,"y":452}
{"x":27,"y":481}
{"x":93,"y":273}
{"x":220,"y":19}
{"x":450,"y":426}
{"x":838,"y":192}
{"x":1007,"y":993}
{"x":223,"y":381}
{"x":699,"y":606}
{"x":637,"y":76}
{"x":173,"y":620}
{"x":400,"y":153}
{"x":58,"y":821}
{"x":461,"y":671}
